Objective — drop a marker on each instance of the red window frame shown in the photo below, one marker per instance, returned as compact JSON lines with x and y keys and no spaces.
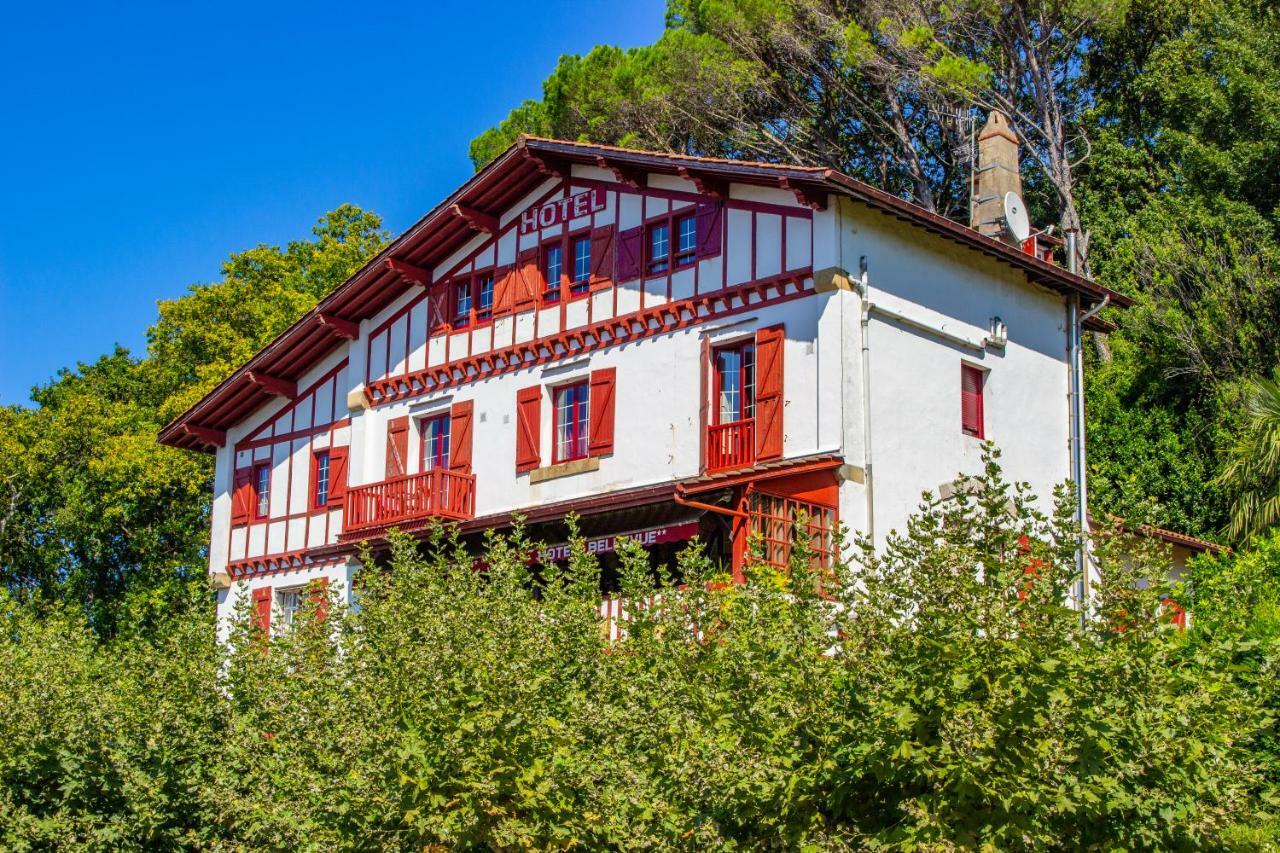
{"x":482,"y":314}
{"x":579,"y":286}
{"x":463,"y":290}
{"x":473,"y":288}
{"x":551,"y":295}
{"x":569,"y":287}
{"x":434,"y":442}
{"x":773,"y":519}
{"x":578,"y":425}
{"x":261,"y":495}
{"x":746,"y":369}
{"x":972,"y":423}
{"x":321,"y":467}
{"x":675,"y":257}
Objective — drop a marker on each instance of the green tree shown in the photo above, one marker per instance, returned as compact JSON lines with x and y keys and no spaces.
{"x":1251,"y":476}
{"x":92,"y":509}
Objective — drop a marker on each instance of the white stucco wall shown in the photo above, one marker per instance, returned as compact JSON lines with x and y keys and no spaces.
{"x":916,"y":438}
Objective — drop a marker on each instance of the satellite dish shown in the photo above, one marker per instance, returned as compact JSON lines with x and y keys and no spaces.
{"x":1015,"y":217}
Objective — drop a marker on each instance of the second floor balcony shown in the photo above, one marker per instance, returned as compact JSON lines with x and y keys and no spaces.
{"x":731,"y":445}
{"x":439,"y":493}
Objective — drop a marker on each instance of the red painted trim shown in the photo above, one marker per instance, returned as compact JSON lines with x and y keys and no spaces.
{"x":650,"y":322}
{"x":255,"y":510}
{"x":307,"y":397}
{"x":313,"y":480}
{"x":581,"y":391}
{"x":310,"y":432}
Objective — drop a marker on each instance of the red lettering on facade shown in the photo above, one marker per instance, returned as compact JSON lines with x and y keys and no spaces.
{"x":560,"y":210}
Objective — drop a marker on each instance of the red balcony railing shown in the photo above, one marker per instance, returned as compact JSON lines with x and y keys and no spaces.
{"x":731,"y":445}
{"x":412,"y":497}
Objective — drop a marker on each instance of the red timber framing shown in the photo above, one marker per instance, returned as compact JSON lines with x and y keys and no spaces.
{"x":661,"y":319}
{"x":510,"y":178}
{"x":423,"y":330}
{"x":764,"y":501}
{"x":289,"y":438}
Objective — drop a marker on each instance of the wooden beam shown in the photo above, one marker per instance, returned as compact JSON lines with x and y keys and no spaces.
{"x":415,"y":274}
{"x":274,"y":384}
{"x":342,"y":328}
{"x":804,"y":195}
{"x":625,"y":174}
{"x":215,"y":437}
{"x":477,"y":219}
{"x":705,"y":184}
{"x":547,"y":167}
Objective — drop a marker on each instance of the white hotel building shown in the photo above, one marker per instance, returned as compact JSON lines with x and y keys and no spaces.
{"x":668,"y":346}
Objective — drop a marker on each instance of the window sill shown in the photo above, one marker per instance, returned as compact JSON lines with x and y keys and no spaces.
{"x":564,"y":469}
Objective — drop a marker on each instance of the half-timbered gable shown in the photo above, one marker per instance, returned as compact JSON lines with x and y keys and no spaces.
{"x":667,"y":346}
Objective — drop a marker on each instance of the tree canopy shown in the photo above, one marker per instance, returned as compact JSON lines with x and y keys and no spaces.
{"x":93,"y":509}
{"x":1152,"y":125}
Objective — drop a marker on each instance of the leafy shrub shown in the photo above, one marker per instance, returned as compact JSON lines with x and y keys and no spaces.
{"x":938,"y":694}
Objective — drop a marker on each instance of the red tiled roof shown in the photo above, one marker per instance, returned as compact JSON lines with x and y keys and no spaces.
{"x":495,"y":188}
{"x":1173,"y":537}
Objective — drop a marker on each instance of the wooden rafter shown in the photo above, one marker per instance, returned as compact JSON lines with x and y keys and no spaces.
{"x":215,"y":437}
{"x":633,"y":178}
{"x":415,"y":274}
{"x":477,"y":219}
{"x":274,"y":384}
{"x":345,"y":329}
{"x":804,"y":195}
{"x":550,"y":168}
{"x":705,"y":184}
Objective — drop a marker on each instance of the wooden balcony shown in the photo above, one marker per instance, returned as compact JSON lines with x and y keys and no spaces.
{"x":731,"y":446}
{"x":440,"y":494}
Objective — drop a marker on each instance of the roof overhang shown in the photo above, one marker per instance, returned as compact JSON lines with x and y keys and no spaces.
{"x":475,"y":207}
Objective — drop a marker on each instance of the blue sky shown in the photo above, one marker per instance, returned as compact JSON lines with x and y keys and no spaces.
{"x":141,"y":143}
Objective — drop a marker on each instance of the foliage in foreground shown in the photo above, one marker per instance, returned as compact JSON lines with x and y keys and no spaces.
{"x":939,"y":695}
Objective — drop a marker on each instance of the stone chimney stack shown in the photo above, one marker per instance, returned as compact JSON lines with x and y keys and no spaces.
{"x":996,"y":175}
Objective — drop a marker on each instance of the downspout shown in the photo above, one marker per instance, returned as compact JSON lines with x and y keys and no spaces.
{"x":864,"y":291}
{"x":1078,"y":460}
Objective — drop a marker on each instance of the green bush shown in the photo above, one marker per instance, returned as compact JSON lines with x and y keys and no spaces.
{"x":937,"y":695}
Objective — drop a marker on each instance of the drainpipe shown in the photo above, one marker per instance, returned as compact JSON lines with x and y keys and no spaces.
{"x":1078,"y":461}
{"x":864,"y":291}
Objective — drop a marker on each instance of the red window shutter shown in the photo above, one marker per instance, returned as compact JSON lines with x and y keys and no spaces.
{"x":769,"y":399}
{"x":600,"y":410}
{"x":242,"y":496}
{"x":460,"y":436}
{"x":528,"y":283}
{"x":318,"y":590}
{"x":338,"y":475}
{"x":439,"y":311}
{"x":528,"y":420}
{"x":504,"y":290}
{"x":971,"y":381}
{"x":262,"y":608}
{"x":601,"y":257}
{"x":710,"y":225}
{"x":630,"y":253}
{"x":397,"y":446}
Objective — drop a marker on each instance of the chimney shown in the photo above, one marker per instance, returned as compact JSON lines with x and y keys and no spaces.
{"x":996,"y":175}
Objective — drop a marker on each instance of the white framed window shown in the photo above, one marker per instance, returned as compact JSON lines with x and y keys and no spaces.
{"x":290,"y":603}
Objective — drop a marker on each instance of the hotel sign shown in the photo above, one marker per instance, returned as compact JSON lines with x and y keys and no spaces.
{"x":609,"y":544}
{"x":562,"y":210}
